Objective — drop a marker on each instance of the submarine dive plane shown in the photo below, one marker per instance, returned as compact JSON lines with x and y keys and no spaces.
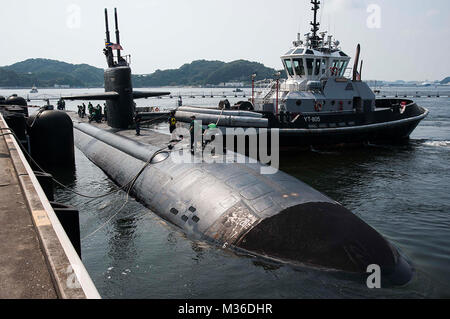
{"x":322,"y":102}
{"x":230,"y":204}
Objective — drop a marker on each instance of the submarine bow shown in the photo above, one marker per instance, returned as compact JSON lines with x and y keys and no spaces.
{"x":232,"y":205}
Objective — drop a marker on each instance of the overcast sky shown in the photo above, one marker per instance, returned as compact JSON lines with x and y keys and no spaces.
{"x":400,"y":39}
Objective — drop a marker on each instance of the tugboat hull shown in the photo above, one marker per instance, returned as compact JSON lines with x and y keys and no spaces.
{"x":390,"y":132}
{"x":387,"y":125}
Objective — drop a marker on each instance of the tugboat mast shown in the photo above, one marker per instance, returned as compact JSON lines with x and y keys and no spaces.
{"x":315,"y":25}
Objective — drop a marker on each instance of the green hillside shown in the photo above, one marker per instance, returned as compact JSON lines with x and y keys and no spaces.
{"x":204,"y":72}
{"x":47,"y":73}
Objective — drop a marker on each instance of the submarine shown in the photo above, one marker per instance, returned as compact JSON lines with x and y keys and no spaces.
{"x":230,"y":204}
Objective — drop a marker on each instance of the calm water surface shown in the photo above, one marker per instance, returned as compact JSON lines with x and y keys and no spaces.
{"x":402,"y":191}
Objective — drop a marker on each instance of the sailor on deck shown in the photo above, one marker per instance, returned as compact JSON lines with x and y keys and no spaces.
{"x":172,"y":122}
{"x":137,"y":121}
{"x":98,"y":113}
{"x":90,"y":109}
{"x":105,"y":111}
{"x":83,"y":110}
{"x":193,"y":127}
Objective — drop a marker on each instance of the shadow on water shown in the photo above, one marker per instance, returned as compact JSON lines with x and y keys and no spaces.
{"x":62,"y":175}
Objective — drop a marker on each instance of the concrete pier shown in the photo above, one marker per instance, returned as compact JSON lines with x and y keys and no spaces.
{"x":37,"y":260}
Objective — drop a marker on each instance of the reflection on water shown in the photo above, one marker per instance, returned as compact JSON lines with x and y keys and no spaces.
{"x":401,"y":191}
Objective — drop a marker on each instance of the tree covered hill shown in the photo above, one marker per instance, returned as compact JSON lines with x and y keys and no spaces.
{"x":204,"y":72}
{"x":47,"y":73}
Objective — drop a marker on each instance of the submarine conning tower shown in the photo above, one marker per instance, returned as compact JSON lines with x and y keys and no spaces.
{"x":119,"y":93}
{"x":118,"y":79}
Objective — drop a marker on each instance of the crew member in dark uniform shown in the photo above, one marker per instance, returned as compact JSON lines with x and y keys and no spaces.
{"x":61,"y":105}
{"x":192,"y":132}
{"x":137,"y":121}
{"x":172,"y":122}
{"x":91,"y":112}
{"x":105,"y":111}
{"x":98,"y":113}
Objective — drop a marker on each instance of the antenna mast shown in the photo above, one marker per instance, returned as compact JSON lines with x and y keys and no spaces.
{"x":315,"y":25}
{"x":117,"y":32}
{"x":108,"y":50}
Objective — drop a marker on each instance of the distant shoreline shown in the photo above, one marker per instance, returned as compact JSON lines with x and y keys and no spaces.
{"x":137,"y":87}
{"x":444,"y":86}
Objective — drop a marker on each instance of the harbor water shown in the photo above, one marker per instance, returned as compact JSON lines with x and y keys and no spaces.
{"x":401,"y":191}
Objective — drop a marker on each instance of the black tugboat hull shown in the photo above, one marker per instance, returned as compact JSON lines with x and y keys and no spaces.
{"x":386,"y":125}
{"x":393,"y":132}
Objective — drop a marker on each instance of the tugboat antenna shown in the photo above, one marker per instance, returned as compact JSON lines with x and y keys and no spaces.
{"x":315,"y":25}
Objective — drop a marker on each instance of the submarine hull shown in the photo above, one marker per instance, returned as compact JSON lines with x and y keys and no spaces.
{"x":233,"y":205}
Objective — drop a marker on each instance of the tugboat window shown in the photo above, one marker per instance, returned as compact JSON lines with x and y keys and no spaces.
{"x":335,"y":63}
{"x":317,"y":69}
{"x":309,"y":66}
{"x":299,"y":68}
{"x":344,"y":68}
{"x":290,"y":51}
{"x":341,"y":68}
{"x":298,"y":51}
{"x":324,"y":66}
{"x":288,"y":64}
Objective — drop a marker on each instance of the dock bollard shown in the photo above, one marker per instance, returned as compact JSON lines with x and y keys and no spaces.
{"x":70,"y":220}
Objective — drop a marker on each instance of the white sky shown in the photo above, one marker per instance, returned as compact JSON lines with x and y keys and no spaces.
{"x":412,"y":42}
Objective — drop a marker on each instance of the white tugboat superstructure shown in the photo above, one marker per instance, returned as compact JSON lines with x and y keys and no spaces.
{"x":322,"y":101}
{"x":318,"y":79}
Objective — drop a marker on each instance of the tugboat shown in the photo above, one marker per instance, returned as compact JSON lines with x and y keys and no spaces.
{"x":322,"y":101}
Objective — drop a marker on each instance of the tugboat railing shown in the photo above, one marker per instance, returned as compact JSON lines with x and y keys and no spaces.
{"x":264,"y":88}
